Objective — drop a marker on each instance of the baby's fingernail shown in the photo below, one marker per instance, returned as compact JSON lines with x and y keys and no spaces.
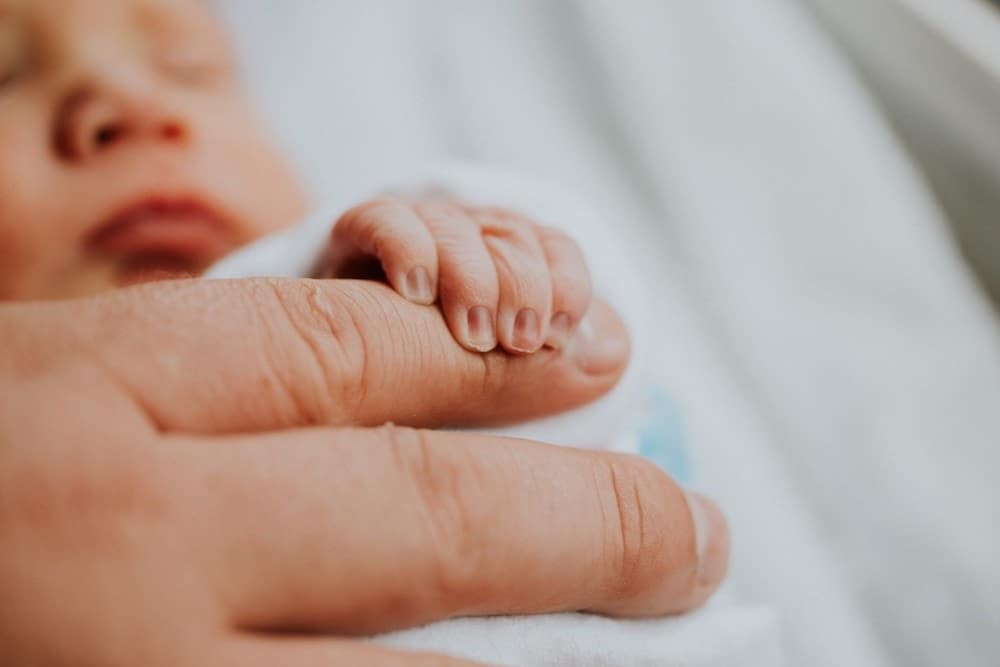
{"x":482,"y":334}
{"x":527,"y":331}
{"x":559,"y":331}
{"x":711,"y":539}
{"x":418,"y":286}
{"x":600,"y":344}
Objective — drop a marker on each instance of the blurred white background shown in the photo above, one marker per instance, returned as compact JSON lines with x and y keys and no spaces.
{"x":793,"y":179}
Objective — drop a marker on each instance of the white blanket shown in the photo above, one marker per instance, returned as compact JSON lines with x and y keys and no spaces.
{"x":722,"y":636}
{"x":837,"y":368}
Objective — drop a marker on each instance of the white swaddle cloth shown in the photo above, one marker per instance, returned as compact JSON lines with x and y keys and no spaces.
{"x":718,"y":635}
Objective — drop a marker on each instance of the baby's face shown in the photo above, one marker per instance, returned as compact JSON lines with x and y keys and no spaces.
{"x":127,"y":149}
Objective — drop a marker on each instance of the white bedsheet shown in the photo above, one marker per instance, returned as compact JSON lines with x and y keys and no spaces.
{"x":838,"y":369}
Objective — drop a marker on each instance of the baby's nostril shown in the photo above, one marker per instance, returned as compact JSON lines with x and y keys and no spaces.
{"x":106,"y":135}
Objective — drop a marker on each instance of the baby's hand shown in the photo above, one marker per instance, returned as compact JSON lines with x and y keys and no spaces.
{"x":498,"y":276}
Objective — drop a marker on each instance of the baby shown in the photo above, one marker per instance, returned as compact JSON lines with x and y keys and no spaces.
{"x":130,"y":153}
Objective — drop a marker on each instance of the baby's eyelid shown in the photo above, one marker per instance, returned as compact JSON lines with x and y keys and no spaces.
{"x":9,"y":74}
{"x":191,"y":63}
{"x":15,"y":55}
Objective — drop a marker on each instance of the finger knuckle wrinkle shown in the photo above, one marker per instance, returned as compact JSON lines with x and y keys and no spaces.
{"x":323,"y":350}
{"x":450,"y":503}
{"x":633,"y":542}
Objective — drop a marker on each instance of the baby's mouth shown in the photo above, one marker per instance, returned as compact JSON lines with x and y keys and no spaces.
{"x":160,"y":238}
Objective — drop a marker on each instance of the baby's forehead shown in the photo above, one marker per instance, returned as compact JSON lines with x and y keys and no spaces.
{"x":51,"y":13}
{"x":60,"y":28}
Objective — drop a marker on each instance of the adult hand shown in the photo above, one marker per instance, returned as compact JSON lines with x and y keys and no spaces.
{"x":194,"y":473}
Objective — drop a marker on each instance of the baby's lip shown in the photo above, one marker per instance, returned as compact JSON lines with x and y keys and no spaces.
{"x":163,"y":236}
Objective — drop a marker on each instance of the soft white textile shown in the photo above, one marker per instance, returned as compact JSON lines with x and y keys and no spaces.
{"x":836,"y":365}
{"x":711,"y":637}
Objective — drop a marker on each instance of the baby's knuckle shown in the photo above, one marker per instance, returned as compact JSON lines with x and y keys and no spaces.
{"x":504,"y":224}
{"x":573,"y":295}
{"x":372,"y":208}
{"x":556,"y":237}
{"x":445,"y":214}
{"x":365,"y":219}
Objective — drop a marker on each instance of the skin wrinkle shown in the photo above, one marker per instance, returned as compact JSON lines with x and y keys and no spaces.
{"x":273,"y":393}
{"x":577,"y":294}
{"x":508,"y":255}
{"x":319,"y":337}
{"x":322,"y":307}
{"x":641,"y":538}
{"x":406,"y":331}
{"x":279,"y":369}
{"x":620,"y":532}
{"x":359,"y":394}
{"x":492,"y":375}
{"x":449,"y":488}
{"x":596,"y":479}
{"x":413,"y":454}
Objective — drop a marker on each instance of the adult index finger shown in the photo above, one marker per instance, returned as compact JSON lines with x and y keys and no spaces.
{"x":254,"y":355}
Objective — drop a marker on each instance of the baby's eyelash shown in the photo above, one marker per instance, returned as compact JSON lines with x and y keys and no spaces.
{"x":8,"y":76}
{"x":194,"y":67}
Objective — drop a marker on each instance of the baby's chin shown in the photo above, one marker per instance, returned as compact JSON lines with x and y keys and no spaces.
{"x":156,"y":269}
{"x":101,"y":277}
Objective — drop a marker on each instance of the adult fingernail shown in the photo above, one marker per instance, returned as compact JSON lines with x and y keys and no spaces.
{"x":600,"y":344}
{"x":418,"y":286}
{"x":482,"y":334}
{"x":711,"y":539}
{"x":527,"y":331}
{"x":559,"y":330}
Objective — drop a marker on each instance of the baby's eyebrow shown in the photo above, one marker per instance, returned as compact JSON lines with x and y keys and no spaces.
{"x":175,"y":22}
{"x":8,"y":9}
{"x":166,"y":15}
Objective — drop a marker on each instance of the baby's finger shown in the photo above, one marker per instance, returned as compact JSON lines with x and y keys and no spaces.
{"x":392,"y":232}
{"x":467,"y":279}
{"x":571,"y":287}
{"x":525,"y":306}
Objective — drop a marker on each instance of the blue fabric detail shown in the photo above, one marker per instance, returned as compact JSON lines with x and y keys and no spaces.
{"x":661,"y":435}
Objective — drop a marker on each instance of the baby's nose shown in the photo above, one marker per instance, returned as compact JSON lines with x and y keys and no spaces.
{"x":92,"y":121}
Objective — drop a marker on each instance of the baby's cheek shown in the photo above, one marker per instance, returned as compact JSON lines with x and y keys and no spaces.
{"x":21,"y":261}
{"x":244,"y":163}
